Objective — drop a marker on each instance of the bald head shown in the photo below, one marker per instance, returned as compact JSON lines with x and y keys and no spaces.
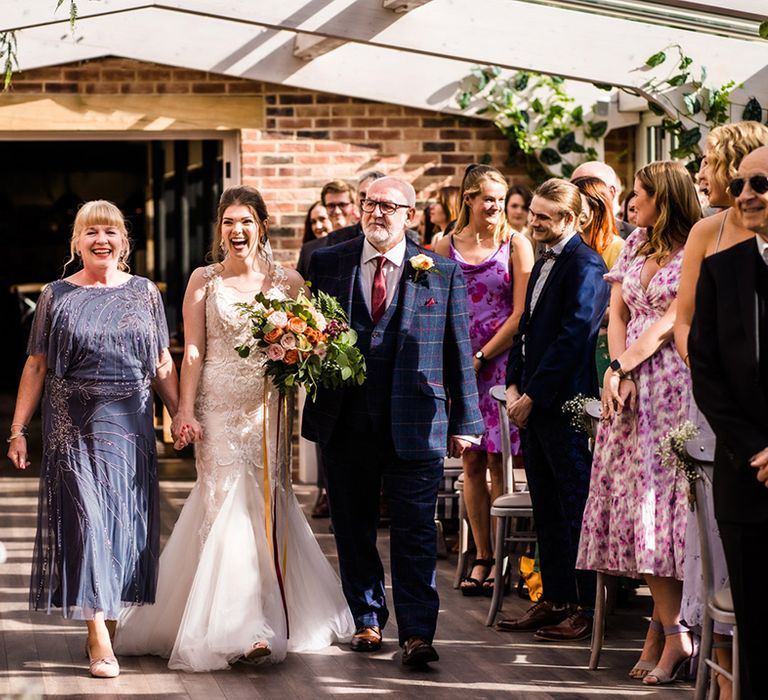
{"x":602,"y":171}
{"x":752,"y":203}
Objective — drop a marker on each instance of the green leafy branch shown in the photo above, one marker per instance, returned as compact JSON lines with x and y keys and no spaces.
{"x":543,"y":123}
{"x":8,"y":56}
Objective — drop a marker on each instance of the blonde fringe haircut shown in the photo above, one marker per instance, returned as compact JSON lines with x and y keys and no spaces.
{"x":567,"y":197}
{"x":100,"y":212}
{"x":471,"y":186}
{"x":677,"y":207}
{"x":726,"y":146}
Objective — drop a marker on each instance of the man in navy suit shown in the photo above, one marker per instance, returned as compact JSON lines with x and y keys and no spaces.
{"x":419,"y":402}
{"x":551,"y":361}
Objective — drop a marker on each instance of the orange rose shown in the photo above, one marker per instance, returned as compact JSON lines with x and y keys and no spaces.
{"x":273,"y":335}
{"x":297,"y":325}
{"x":291,"y":357}
{"x":312,"y":335}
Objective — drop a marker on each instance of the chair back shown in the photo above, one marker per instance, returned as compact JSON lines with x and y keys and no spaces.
{"x":701,"y":451}
{"x":498,"y":394}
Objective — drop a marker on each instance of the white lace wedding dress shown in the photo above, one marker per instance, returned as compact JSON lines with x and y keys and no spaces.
{"x":238,"y":568}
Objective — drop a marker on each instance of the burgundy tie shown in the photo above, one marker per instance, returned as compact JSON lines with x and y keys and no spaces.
{"x":379,"y":292}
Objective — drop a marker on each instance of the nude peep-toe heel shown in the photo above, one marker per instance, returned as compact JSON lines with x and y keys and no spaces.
{"x":646,"y":666}
{"x":658,"y":676}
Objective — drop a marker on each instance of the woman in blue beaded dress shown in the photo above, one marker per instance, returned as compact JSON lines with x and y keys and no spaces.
{"x":98,"y":346}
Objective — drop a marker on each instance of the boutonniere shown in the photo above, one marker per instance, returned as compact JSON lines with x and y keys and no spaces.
{"x":422,"y":265}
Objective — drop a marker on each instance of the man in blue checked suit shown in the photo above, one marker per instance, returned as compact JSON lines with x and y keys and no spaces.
{"x":419,"y":402}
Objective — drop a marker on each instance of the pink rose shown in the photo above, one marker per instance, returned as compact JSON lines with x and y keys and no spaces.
{"x":278,"y":318}
{"x":321,"y":350}
{"x":288,"y":341}
{"x":275,"y":352}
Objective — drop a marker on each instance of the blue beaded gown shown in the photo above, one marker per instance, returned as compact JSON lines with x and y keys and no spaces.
{"x":242,"y":564}
{"x":97,"y":543}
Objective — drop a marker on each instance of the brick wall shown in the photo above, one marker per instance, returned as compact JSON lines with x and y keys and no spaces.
{"x":309,"y":137}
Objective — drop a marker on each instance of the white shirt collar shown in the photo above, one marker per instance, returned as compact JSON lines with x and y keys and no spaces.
{"x":558,"y":247}
{"x":762,"y":248}
{"x":394,"y":255}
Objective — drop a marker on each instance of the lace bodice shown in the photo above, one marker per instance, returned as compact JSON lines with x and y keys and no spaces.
{"x":230,"y":398}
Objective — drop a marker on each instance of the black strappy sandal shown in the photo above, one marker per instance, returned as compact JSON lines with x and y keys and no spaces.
{"x":476,"y":586}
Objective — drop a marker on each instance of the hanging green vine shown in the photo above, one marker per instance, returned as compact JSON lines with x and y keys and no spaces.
{"x":8,"y":57}
{"x":548,"y":132}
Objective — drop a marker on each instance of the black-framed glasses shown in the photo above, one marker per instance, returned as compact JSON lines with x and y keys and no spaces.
{"x":386,"y":208}
{"x":758,"y":183}
{"x":338,"y":205}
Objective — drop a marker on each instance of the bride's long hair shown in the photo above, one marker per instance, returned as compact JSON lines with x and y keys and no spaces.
{"x":250,"y":197}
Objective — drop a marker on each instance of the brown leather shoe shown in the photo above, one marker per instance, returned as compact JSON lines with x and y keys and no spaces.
{"x":575,"y":627}
{"x":418,"y":652}
{"x":366,"y":639}
{"x":536,"y":617}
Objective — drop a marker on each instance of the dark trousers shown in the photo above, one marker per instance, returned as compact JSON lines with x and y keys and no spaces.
{"x":746,"y":553}
{"x":358,"y":467}
{"x":558,"y":465}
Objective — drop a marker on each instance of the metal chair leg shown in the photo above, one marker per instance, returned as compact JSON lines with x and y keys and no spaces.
{"x":461,"y":561}
{"x":735,"y":684}
{"x":598,"y":625}
{"x":704,"y":674}
{"x":498,"y":582}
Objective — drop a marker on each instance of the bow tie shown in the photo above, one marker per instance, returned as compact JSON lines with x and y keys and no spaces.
{"x":548,"y":255}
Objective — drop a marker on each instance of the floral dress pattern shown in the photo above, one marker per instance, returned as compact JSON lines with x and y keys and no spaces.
{"x":635,"y":518}
{"x":489,"y":288}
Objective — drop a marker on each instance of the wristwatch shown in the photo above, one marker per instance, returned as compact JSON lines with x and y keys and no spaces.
{"x":616,"y":368}
{"x":480,"y":355}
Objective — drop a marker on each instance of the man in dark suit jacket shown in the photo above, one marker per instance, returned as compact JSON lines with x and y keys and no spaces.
{"x":728,"y":347}
{"x":552,"y":360}
{"x":419,"y":401}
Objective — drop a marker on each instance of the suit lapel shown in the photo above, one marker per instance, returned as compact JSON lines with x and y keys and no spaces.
{"x":746,"y":283}
{"x":557,"y":269}
{"x":349,"y":265}
{"x":408,"y":292}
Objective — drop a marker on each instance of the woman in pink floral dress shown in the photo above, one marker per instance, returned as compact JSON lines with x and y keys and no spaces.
{"x":496,"y":268}
{"x":635,"y":517}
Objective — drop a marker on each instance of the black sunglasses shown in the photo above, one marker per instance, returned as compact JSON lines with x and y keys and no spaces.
{"x":758,"y":183}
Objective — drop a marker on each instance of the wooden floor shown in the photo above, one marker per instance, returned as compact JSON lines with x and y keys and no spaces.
{"x":42,"y":656}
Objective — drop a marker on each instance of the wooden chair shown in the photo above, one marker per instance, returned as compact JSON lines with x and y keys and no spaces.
{"x":718,"y":605}
{"x":507,"y":508}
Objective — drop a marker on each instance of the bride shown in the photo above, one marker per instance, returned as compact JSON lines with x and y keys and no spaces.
{"x":241,"y":576}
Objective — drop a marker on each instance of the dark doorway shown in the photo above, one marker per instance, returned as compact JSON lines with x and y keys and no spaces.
{"x":166,"y":189}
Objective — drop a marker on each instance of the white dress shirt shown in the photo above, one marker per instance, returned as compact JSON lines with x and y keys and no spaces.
{"x":393,"y":270}
{"x":546,"y":268}
{"x":762,"y":248}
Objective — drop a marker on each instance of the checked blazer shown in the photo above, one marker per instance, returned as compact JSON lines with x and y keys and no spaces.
{"x":434,"y":391}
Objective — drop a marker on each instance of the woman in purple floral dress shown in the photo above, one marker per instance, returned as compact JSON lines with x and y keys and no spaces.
{"x":635,"y":517}
{"x":496,"y":268}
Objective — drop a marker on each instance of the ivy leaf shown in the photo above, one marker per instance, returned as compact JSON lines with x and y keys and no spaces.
{"x":658,"y":110}
{"x":689,"y":137}
{"x":464,"y":99}
{"x":656,"y":60}
{"x":549,"y":156}
{"x":566,"y":170}
{"x":603,"y":86}
{"x":692,"y":103}
{"x":763,"y":30}
{"x":677,"y":80}
{"x":578,"y":148}
{"x":577,"y":114}
{"x":685,"y":61}
{"x":537,"y":106}
{"x":753,"y":111}
{"x":521,"y":80}
{"x":566,"y":143}
{"x":597,"y":130}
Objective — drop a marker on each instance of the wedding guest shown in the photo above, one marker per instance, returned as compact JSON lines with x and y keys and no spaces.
{"x":444,"y":211}
{"x":729,"y":368}
{"x":599,"y":233}
{"x":724,"y":149}
{"x":317,"y":223}
{"x":516,"y":205}
{"x":98,"y":346}
{"x":628,"y":209}
{"x":553,"y":360}
{"x":634,"y":521}
{"x":496,"y":267}
{"x":418,"y":402}
{"x":604,"y":172}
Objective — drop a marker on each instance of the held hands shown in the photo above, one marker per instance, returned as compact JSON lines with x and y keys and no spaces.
{"x":456,"y":446}
{"x":618,"y":394}
{"x":185,"y":430}
{"x":518,"y":406}
{"x":760,"y":462}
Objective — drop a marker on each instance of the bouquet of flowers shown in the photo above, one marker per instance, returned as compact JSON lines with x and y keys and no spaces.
{"x":305,"y":343}
{"x":673,"y":454}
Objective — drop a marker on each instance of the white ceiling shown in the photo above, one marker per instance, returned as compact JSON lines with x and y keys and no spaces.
{"x":365,"y":50}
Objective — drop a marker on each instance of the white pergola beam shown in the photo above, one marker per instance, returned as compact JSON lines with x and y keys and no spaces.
{"x":308,"y":47}
{"x":403,"y":5}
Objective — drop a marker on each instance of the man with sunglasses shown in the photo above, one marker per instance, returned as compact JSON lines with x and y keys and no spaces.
{"x":728,"y":351}
{"x":419,"y":401}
